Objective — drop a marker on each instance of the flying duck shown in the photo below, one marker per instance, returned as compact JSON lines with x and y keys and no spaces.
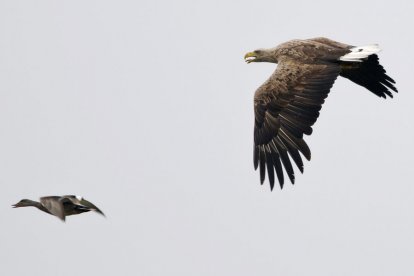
{"x":60,"y":206}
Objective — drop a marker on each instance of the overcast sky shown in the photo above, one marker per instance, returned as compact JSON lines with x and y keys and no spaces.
{"x":146,"y":109}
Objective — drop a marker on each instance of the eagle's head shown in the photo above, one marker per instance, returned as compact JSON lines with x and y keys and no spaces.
{"x":261,"y":55}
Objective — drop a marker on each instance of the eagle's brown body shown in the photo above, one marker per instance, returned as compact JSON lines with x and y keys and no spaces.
{"x":288,"y":103}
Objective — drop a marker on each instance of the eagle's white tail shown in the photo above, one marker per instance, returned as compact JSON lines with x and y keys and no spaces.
{"x":360,"y":53}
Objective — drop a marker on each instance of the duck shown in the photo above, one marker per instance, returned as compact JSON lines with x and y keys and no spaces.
{"x":60,"y":206}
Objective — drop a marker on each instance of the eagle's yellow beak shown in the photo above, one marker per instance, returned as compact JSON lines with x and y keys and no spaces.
{"x":249,"y":57}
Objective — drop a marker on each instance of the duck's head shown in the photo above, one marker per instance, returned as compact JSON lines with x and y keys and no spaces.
{"x":24,"y":203}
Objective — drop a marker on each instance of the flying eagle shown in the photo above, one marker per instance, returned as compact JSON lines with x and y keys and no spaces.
{"x":288,"y":103}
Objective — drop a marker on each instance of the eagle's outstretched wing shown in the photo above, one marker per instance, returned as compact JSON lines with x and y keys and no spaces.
{"x":286,"y":106}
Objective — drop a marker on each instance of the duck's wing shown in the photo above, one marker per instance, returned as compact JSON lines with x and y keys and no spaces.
{"x":54,"y":206}
{"x":78,"y":200}
{"x":286,"y":106}
{"x":90,"y":205}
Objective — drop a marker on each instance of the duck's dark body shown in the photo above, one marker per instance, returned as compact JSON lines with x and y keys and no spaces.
{"x":60,"y":206}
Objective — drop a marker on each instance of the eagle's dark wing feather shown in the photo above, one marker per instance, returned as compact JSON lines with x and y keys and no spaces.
{"x":286,"y":106}
{"x":369,"y":74}
{"x":330,"y":43}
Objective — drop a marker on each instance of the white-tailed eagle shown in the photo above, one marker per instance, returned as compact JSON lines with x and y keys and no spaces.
{"x":288,"y":103}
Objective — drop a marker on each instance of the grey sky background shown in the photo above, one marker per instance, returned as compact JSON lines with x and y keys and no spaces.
{"x":146,"y":109}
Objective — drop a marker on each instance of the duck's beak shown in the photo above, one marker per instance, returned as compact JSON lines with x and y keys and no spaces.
{"x":249,"y":57}
{"x":15,"y":205}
